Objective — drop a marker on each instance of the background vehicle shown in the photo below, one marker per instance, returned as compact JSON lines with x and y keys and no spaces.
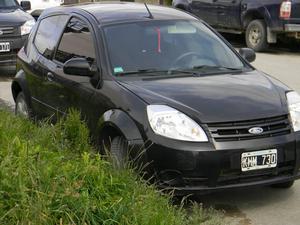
{"x":262,"y":21}
{"x":160,"y":79}
{"x":15,"y":25}
{"x":37,"y":6}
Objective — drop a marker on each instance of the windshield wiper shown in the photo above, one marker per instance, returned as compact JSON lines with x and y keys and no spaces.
{"x":153,"y":72}
{"x":141,"y":71}
{"x":174,"y":72}
{"x":217,"y":67}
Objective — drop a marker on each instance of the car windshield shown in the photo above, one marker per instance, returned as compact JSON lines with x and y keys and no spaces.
{"x":8,"y":4}
{"x":136,"y":48}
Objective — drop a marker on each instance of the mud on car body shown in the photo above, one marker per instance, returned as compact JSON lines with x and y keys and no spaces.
{"x":150,"y":74}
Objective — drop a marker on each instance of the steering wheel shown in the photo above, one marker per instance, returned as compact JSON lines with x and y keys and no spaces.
{"x":189,"y":54}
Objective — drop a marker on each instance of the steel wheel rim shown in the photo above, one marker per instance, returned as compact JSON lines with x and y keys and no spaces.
{"x":255,"y":35}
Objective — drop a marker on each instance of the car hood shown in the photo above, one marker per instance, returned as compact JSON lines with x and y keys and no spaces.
{"x":219,"y":98}
{"x":12,"y":17}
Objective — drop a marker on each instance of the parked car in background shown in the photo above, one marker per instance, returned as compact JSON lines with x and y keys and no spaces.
{"x":37,"y":6}
{"x":15,"y":25}
{"x":262,"y":21}
{"x":160,"y":84}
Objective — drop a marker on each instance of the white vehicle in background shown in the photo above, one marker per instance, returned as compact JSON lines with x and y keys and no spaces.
{"x":37,"y":6}
{"x":43,"y":4}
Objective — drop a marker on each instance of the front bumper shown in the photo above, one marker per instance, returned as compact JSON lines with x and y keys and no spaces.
{"x":207,"y":168}
{"x":16,"y":43}
{"x":201,"y":190}
{"x":292,"y":27}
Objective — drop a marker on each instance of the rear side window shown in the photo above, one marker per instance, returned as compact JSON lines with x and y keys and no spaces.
{"x":48,"y":34}
{"x":76,"y":42}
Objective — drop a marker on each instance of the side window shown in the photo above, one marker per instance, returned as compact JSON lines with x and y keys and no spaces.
{"x":76,"y":42}
{"x":48,"y":34}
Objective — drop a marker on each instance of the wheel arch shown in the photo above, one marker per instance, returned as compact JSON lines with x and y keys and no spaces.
{"x":252,"y":15}
{"x":18,"y":85}
{"x":116,"y":122}
{"x":261,"y":13}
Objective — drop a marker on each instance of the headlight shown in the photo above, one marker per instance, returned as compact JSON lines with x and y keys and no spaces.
{"x":27,"y":26}
{"x":293,"y":99}
{"x":169,"y":122}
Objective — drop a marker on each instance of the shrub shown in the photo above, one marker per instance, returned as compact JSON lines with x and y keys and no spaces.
{"x":51,"y":175}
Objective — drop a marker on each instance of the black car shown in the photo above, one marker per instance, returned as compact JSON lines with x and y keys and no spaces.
{"x":160,"y":82}
{"x":15,"y":25}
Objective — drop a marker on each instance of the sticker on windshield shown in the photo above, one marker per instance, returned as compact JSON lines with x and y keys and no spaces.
{"x":181,"y":29}
{"x":118,"y":70}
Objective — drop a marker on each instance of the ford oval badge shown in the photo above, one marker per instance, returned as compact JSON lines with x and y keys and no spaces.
{"x":256,"y":130}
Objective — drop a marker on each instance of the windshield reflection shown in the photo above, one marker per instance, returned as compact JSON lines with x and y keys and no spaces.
{"x":145,"y":47}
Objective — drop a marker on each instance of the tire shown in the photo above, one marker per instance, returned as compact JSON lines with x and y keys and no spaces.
{"x":256,"y":35}
{"x":22,"y":108}
{"x":286,"y":185}
{"x":119,"y":152}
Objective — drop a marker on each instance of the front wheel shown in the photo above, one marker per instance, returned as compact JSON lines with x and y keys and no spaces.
{"x":287,"y":184}
{"x":119,"y":152}
{"x":256,"y":35}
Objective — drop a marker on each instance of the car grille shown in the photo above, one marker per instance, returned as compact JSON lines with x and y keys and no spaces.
{"x":8,"y":56}
{"x":8,"y":31}
{"x":237,"y":131}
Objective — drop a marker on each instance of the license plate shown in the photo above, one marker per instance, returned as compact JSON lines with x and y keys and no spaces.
{"x":259,"y":160}
{"x":4,"y":47}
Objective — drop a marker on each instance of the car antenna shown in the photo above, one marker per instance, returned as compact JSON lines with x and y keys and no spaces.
{"x":150,"y":14}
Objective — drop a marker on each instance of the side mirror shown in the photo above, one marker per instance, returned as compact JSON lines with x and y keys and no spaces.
{"x":36,"y":13}
{"x":26,"y":5}
{"x":248,"y":54}
{"x":79,"y":67}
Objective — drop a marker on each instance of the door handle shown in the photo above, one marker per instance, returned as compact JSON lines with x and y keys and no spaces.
{"x":50,"y":76}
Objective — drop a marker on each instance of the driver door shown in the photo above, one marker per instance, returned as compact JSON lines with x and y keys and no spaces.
{"x":71,"y":91}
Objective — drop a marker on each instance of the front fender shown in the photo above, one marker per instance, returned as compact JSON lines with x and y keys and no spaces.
{"x":121,"y":121}
{"x":126,"y":126}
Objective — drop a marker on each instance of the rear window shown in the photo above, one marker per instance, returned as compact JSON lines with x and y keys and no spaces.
{"x":48,"y":34}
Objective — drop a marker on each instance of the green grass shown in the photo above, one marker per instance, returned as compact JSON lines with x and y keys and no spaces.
{"x":49,"y":174}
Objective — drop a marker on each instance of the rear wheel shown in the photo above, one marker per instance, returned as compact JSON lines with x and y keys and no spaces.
{"x":284,"y":184}
{"x":256,"y":35}
{"x":22,"y":108}
{"x":119,"y":152}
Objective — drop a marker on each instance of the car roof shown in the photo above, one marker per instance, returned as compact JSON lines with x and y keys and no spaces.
{"x":114,"y":12}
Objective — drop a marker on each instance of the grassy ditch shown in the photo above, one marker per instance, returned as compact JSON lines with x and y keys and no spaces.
{"x":50,"y":175}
